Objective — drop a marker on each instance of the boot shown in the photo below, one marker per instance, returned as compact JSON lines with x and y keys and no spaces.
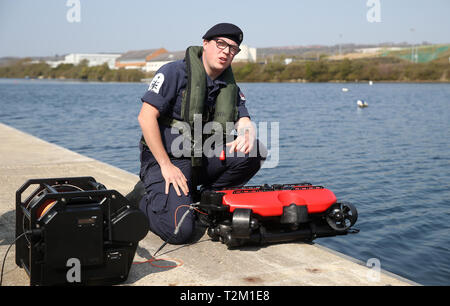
{"x":135,"y":196}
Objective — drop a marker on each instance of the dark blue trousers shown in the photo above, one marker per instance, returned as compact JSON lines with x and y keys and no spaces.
{"x":164,"y":211}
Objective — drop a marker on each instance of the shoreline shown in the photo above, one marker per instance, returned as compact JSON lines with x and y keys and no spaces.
{"x":241,"y":82}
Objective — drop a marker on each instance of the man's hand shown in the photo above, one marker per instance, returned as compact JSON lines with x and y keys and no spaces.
{"x":148,"y":120}
{"x":173,"y":175}
{"x":246,"y":137}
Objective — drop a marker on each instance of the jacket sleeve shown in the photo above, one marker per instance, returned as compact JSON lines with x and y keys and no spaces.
{"x":163,"y":88}
{"x":242,"y":109}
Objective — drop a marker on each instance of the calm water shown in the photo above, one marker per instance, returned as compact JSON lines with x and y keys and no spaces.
{"x":392,"y":159}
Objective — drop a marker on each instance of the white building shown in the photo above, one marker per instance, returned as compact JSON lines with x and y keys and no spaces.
{"x":287,"y":61}
{"x":155,"y":63}
{"x":138,"y":59}
{"x":247,"y":54}
{"x":94,"y":59}
{"x":54,"y":64}
{"x":376,"y":50}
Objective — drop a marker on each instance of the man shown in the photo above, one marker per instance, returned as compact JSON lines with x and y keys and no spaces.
{"x":200,"y":85}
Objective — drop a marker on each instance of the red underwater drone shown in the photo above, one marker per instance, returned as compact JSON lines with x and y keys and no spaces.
{"x":276,"y":213}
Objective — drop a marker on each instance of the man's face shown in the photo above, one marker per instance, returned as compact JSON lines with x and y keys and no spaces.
{"x":216,"y":59}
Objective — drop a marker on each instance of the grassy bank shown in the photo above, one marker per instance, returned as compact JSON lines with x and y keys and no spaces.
{"x":375,"y":69}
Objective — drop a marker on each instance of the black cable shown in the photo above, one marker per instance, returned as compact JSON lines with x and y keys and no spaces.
{"x":161,"y":247}
{"x":4,"y":258}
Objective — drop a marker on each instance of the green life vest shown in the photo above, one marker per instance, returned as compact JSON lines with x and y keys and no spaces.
{"x":193,"y":100}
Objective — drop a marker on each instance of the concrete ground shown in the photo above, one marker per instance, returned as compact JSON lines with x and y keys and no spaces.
{"x":203,"y":263}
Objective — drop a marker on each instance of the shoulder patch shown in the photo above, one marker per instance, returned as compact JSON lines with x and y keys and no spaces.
{"x":156,"y":83}
{"x":241,"y":95}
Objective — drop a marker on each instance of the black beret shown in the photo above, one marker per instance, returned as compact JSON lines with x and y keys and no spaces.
{"x":227,"y":30}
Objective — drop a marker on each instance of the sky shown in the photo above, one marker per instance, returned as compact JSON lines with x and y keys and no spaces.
{"x":49,"y":27}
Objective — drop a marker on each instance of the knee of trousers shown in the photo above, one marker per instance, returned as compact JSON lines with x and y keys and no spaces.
{"x":163,"y":223}
{"x":166,"y":230}
{"x":184,"y":234}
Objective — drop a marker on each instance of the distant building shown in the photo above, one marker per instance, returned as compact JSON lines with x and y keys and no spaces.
{"x":155,"y":63}
{"x":376,"y":50}
{"x":94,"y":59}
{"x":138,"y":59}
{"x":52,"y":63}
{"x":287,"y":61}
{"x":247,"y":54}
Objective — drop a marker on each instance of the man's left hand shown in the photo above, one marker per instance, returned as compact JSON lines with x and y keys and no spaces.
{"x":246,"y":137}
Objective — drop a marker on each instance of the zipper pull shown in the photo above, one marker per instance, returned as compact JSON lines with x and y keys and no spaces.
{"x":222,"y":155}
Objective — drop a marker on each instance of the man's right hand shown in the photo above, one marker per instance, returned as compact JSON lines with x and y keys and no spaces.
{"x":148,"y":120}
{"x":173,"y":175}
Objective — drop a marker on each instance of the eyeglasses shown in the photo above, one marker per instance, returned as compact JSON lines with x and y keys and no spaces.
{"x":222,"y":44}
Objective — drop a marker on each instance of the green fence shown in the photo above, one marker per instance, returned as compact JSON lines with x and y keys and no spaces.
{"x":421,"y":54}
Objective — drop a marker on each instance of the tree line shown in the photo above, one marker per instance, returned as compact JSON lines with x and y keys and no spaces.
{"x":321,"y":70}
{"x":25,"y":68}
